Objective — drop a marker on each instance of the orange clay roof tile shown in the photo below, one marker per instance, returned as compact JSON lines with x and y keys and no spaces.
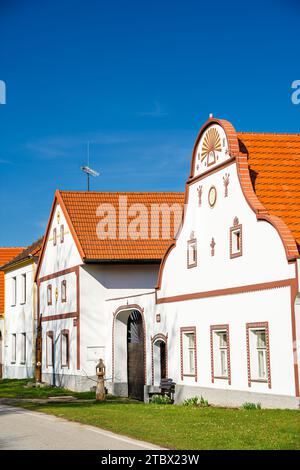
{"x":82,"y":210}
{"x":6,"y":254}
{"x":274,"y":162}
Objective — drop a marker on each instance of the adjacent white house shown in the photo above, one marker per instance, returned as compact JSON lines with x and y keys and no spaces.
{"x":20,"y":321}
{"x":6,"y":254}
{"x":216,"y":307}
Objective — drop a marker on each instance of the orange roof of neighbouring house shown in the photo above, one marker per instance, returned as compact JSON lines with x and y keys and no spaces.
{"x":274,"y":162}
{"x":82,"y":210}
{"x":32,"y":250}
{"x":6,"y":254}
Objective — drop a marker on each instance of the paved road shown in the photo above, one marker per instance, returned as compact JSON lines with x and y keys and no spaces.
{"x":23,"y":429}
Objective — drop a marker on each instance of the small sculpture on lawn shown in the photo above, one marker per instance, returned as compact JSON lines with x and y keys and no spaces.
{"x":100,"y":389}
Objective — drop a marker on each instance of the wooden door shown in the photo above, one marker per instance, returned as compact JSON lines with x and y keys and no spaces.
{"x":135,"y":356}
{"x":163,"y":360}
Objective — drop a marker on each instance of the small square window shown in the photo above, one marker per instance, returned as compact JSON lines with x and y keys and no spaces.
{"x":188,"y":352}
{"x":192,"y":252}
{"x":236,"y":245}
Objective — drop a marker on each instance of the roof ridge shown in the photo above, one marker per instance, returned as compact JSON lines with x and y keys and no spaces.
{"x":270,"y":133}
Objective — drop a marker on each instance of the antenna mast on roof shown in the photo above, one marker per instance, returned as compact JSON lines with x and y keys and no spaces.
{"x":87,"y":170}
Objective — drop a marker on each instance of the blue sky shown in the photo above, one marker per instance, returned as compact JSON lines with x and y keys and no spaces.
{"x":137,"y":79}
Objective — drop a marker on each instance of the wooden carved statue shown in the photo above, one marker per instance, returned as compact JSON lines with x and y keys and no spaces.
{"x":100,"y":389}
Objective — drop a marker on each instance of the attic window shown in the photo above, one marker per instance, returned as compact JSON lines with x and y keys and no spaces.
{"x":62,"y":233}
{"x":49,"y":294}
{"x":236,"y":239}
{"x":192,"y":251}
{"x":64,"y":291}
{"x":54,"y":237}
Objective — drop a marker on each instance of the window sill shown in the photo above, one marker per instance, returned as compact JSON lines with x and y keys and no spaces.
{"x":23,"y":363}
{"x":222,"y":377}
{"x":23,"y":303}
{"x":189,"y":375}
{"x":264,"y":381}
{"x":13,"y":363}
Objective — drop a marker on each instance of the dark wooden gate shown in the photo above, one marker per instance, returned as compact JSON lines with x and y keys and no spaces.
{"x":163,"y":360}
{"x":135,"y":355}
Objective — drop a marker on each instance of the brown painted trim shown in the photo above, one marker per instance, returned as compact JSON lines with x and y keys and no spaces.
{"x":211,"y":171}
{"x":49,"y":334}
{"x":157,"y":337}
{"x":208,"y":195}
{"x":65,"y":333}
{"x":294,"y":292}
{"x":252,"y":326}
{"x":61,"y":316}
{"x":188,"y":329}
{"x":63,"y":272}
{"x":261,"y":212}
{"x":214,"y":328}
{"x":115,"y":314}
{"x":231,"y":231}
{"x":130,"y":296}
{"x":192,"y":241}
{"x":227,"y":291}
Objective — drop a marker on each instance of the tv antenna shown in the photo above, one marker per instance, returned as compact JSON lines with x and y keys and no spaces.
{"x":88,"y":170}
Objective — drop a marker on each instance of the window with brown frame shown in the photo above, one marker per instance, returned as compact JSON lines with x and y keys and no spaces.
{"x":62,"y":233}
{"x":188,"y":352}
{"x":258,"y":353}
{"x":65,"y":349}
{"x":49,"y":294}
{"x":220,"y":352}
{"x":64,"y":290}
{"x":49,"y":349}
{"x":192,"y":251}
{"x":236,"y":239}
{"x":54,"y":236}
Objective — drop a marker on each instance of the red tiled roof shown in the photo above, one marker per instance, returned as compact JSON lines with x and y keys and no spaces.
{"x":6,"y":254}
{"x":82,"y":207}
{"x":31,"y":251}
{"x":274,"y":162}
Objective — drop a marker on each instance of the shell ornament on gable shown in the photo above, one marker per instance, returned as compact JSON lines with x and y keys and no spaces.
{"x":211,"y":145}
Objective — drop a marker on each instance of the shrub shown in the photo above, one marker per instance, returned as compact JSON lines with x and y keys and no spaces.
{"x":196,"y":401}
{"x":160,"y":400}
{"x":251,"y":406}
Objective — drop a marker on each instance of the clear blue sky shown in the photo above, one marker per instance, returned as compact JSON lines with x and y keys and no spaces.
{"x":137,"y":79}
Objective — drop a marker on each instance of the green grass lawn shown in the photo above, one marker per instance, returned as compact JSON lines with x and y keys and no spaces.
{"x":16,"y":389}
{"x":179,"y":427}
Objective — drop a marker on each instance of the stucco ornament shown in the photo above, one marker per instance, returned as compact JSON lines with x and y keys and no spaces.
{"x":212,"y":149}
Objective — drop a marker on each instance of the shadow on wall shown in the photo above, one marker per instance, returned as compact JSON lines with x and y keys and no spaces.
{"x":124,"y":276}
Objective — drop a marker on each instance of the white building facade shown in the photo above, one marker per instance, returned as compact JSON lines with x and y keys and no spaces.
{"x":20,"y":320}
{"x":217,"y":310}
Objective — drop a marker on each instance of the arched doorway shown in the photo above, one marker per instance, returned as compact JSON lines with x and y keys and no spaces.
{"x":135,"y":355}
{"x":129,"y":352}
{"x":159,"y":358}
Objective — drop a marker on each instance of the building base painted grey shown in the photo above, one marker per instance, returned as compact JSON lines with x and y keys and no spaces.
{"x":18,"y":372}
{"x":235,"y":398}
{"x":77,"y":383}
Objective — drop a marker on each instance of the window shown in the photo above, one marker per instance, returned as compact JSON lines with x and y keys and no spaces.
{"x":64,"y":291}
{"x":49,"y":349}
{"x":236,"y":239}
{"x":49,"y":294}
{"x":62,"y":233}
{"x":192,"y":251}
{"x":220,"y":352}
{"x":258,"y":353}
{"x":65,"y":348}
{"x":13,"y":348}
{"x":14,"y":291}
{"x":23,"y":289}
{"x":54,"y":237}
{"x":188,"y":352}
{"x":23,"y":348}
